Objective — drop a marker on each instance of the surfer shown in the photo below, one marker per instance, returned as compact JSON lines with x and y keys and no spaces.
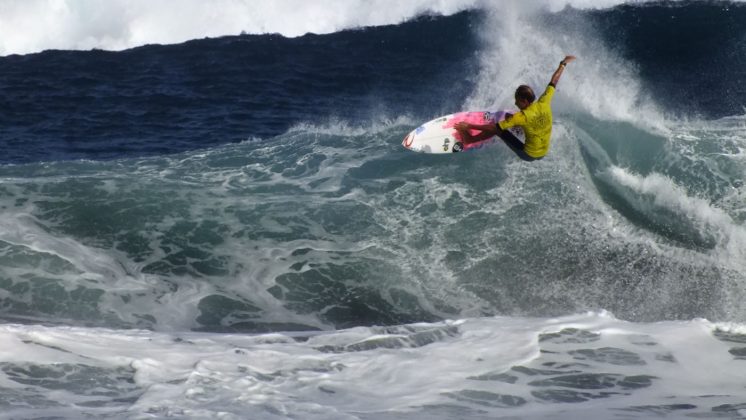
{"x":534,"y":117}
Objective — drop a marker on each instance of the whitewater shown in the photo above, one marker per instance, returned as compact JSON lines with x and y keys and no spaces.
{"x":582,"y":366}
{"x":206,"y":212}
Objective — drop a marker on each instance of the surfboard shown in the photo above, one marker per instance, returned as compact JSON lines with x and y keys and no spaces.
{"x":439,"y":136}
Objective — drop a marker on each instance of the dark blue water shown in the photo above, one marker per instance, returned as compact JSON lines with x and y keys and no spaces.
{"x":703,"y":72}
{"x":163,"y":99}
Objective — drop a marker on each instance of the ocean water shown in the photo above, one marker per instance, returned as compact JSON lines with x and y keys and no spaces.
{"x":206,"y":212}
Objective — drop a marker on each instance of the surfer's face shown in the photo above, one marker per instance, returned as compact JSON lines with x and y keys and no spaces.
{"x":522,"y":103}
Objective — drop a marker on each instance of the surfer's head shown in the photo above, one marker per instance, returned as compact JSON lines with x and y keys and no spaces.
{"x":524,"y":96}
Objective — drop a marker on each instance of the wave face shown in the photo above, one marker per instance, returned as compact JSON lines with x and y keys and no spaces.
{"x":247,"y":197}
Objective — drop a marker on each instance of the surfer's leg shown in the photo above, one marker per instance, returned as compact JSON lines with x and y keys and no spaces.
{"x":516,"y":146}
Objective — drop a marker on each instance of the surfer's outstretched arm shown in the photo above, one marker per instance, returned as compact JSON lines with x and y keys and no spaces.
{"x":560,"y":69}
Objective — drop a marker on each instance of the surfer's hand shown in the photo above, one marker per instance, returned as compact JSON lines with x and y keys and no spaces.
{"x":568,"y":59}
{"x":463,"y":125}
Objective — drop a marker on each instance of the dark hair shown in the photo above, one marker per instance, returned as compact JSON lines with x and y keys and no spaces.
{"x":525,"y":92}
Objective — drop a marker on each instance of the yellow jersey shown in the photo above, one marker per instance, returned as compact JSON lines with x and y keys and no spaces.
{"x":536,"y":121}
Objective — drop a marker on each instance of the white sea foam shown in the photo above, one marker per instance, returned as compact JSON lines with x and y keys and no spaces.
{"x":527,"y":367}
{"x":28,"y":26}
{"x":34,"y":25}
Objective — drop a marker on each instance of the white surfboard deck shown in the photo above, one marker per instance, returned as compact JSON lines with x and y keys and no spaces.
{"x":438,"y":136}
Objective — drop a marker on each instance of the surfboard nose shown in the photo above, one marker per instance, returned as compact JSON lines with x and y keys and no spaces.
{"x":407,"y":142}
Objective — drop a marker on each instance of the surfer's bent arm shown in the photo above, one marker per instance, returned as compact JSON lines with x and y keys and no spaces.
{"x":481,"y":127}
{"x":560,"y":69}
